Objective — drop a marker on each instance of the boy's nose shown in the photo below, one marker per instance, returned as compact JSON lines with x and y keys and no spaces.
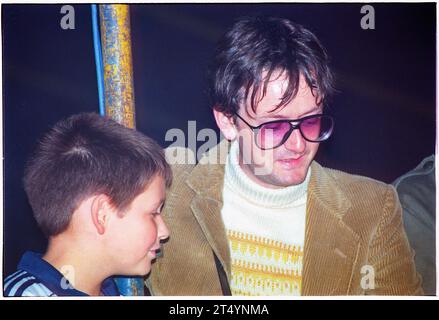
{"x":162,"y":229}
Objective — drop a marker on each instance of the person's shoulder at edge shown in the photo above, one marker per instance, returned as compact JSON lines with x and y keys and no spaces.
{"x":425,"y":168}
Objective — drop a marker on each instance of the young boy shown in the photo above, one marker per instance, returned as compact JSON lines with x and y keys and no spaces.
{"x":96,"y":189}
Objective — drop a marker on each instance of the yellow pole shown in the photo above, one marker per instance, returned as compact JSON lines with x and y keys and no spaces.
{"x":117,"y":60}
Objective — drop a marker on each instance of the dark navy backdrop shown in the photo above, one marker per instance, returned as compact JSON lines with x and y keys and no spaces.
{"x":385,"y":108}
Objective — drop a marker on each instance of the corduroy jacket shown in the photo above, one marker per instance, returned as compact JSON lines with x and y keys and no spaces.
{"x":355,"y":243}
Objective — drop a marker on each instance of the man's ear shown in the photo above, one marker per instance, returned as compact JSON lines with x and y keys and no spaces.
{"x":226,"y":125}
{"x":101,"y":210}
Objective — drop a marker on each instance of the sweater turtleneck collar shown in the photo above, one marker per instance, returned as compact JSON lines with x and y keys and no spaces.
{"x":238,"y":181}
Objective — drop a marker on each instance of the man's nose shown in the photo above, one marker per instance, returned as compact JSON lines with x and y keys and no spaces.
{"x":162,"y":229}
{"x":295,"y":142}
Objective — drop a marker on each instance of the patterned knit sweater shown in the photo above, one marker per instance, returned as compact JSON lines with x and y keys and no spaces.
{"x":266,"y":231}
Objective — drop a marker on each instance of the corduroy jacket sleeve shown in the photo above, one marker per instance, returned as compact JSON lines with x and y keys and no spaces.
{"x":391,"y":268}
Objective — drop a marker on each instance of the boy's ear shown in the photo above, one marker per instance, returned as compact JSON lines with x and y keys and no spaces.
{"x":226,"y":125}
{"x":101,"y":209}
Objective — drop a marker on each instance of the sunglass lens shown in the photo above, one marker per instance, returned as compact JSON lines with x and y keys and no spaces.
{"x":317,"y":128}
{"x":272,"y":134}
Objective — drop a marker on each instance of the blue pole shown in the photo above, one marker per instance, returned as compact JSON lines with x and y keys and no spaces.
{"x":98,"y":59}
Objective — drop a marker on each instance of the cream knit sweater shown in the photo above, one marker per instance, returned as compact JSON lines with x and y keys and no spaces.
{"x":266,"y":232}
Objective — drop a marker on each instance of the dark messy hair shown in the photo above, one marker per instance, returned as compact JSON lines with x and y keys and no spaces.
{"x":266,"y":44}
{"x":85,"y":155}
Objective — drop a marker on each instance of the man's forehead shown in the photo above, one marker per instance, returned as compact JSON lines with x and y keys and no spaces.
{"x":268,"y":99}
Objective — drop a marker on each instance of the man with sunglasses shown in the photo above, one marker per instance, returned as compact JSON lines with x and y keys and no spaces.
{"x":263,"y":218}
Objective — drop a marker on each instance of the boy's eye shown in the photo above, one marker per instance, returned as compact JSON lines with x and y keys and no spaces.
{"x":157,"y":211}
{"x":153,"y":213}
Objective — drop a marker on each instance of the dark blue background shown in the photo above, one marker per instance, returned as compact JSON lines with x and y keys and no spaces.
{"x":385,"y":108}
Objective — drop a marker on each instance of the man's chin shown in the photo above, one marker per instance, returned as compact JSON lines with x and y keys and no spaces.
{"x":290,"y":182}
{"x":282,"y":180}
{"x":290,"y":177}
{"x":280,"y":176}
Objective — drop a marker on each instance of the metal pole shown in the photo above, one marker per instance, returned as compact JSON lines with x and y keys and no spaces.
{"x":118,"y":68}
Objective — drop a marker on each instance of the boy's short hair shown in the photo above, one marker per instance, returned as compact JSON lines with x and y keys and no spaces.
{"x":84,"y":155}
{"x":254,"y":45}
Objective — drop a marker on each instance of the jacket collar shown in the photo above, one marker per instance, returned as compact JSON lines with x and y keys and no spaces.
{"x":207,"y":180}
{"x":330,"y":244}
